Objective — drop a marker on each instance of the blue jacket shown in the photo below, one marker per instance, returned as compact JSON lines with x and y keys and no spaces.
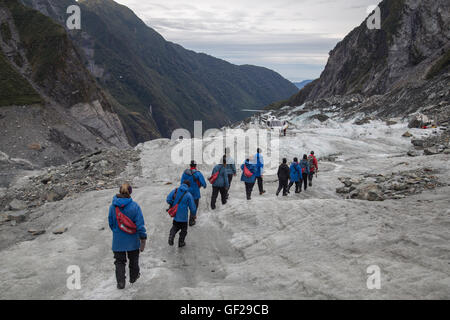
{"x":252,"y":168}
{"x":222,"y":179}
{"x":258,"y":161}
{"x":193,"y":176}
{"x":186,"y":203}
{"x":231,"y":167}
{"x":123,"y":241}
{"x":295,"y":172}
{"x":304,"y":164}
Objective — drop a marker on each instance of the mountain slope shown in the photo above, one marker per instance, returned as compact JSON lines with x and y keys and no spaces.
{"x":141,"y":69}
{"x":408,"y":56}
{"x":51,"y":108}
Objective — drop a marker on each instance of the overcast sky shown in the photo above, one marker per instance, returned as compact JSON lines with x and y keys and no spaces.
{"x":292,"y":37}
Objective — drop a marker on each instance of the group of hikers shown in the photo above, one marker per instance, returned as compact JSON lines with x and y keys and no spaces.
{"x":127,"y":222}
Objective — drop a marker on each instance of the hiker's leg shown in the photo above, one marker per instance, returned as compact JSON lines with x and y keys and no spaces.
{"x":310,"y":177}
{"x":285,"y":186}
{"x":183,"y":233}
{"x":298,"y":187}
{"x":133,"y":257}
{"x":280,"y":186}
{"x":305,"y":181}
{"x":290,"y":185}
{"x":173,"y":232}
{"x":120,"y":262}
{"x":223,"y":194}
{"x":260,"y":184}
{"x":215,"y":193}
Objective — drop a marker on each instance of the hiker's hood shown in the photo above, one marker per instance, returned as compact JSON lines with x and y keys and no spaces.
{"x":189,"y":172}
{"x":121,"y":202}
{"x":183,"y":187}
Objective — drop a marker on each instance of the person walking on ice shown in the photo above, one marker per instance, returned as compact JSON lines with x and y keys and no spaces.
{"x":283,"y":177}
{"x":181,"y":200}
{"x":129,"y":234}
{"x":231,"y":169}
{"x":196,"y":180}
{"x":295,"y":176}
{"x":313,"y":167}
{"x":258,"y":161}
{"x":220,"y":184}
{"x":304,"y":165}
{"x":248,"y":177}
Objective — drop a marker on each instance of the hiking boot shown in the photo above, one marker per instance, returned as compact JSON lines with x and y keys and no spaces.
{"x":121,"y":285}
{"x":262,"y":192}
{"x":310,"y":184}
{"x":135,"y":279}
{"x":181,"y":244}
{"x":170,"y":242}
{"x":277,"y":193}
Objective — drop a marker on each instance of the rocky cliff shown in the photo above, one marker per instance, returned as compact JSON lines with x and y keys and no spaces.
{"x":51,"y":109}
{"x":402,"y":67}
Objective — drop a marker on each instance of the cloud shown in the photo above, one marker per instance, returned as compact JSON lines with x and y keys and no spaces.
{"x":292,"y":37}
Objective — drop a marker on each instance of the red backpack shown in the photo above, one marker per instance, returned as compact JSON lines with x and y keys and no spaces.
{"x":173,"y":210}
{"x":247,"y":172}
{"x":125,"y":224}
{"x":214,"y":177}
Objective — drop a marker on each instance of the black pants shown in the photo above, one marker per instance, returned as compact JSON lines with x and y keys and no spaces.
{"x":260,"y":184}
{"x":248,"y":189}
{"x":121,"y":261}
{"x":223,"y":195}
{"x":305,"y":181}
{"x":177,"y":226}
{"x":297,"y":186}
{"x":310,"y":177}
{"x":230,"y":178}
{"x":282,"y":184}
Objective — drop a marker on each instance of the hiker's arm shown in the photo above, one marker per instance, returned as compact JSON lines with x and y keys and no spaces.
{"x":225,"y":176}
{"x":110,"y":218}
{"x":169,"y":199}
{"x":233,"y":168}
{"x":140,"y":224}
{"x":202,"y":180}
{"x":192,"y":206}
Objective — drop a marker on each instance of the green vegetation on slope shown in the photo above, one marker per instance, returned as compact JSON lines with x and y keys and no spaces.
{"x":14,"y":89}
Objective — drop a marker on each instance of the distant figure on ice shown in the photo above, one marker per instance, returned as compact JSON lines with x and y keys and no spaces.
{"x":304,"y":165}
{"x":313,"y":167}
{"x":196,"y":181}
{"x":129,"y":235}
{"x":231,"y":169}
{"x":182,"y":198}
{"x":283,"y":177}
{"x":258,"y":161}
{"x":219,"y":181}
{"x":249,"y":177}
{"x":285,"y":127}
{"x":295,"y":176}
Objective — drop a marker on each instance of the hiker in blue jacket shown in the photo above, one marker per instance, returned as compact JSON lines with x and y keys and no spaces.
{"x":124,"y":244}
{"x":249,"y":181}
{"x":305,"y":169}
{"x":258,"y":161}
{"x":231,"y":169}
{"x":185,"y":201}
{"x":295,"y":176}
{"x":196,"y":180}
{"x":221,"y":184}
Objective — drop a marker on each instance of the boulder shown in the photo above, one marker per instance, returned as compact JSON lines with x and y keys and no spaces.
{"x":407,"y":134}
{"x":17,"y":217}
{"x":56,"y":194}
{"x":370,"y":192}
{"x":36,"y":232}
{"x":429,"y":152}
{"x":418,"y":142}
{"x":60,"y":230}
{"x":17,"y":205}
